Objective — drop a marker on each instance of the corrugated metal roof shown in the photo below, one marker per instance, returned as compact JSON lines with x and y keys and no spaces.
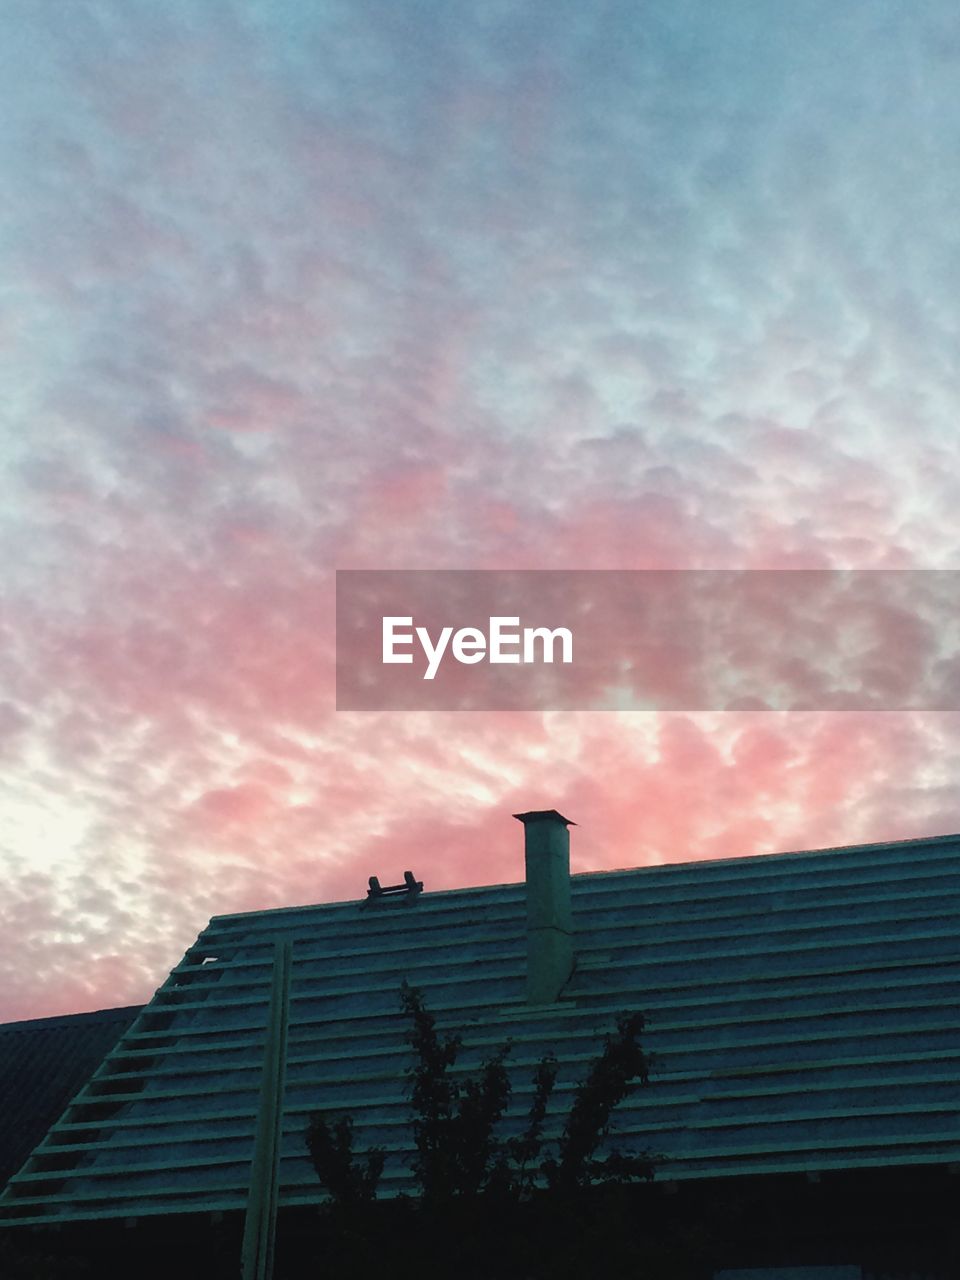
{"x":43,"y":1062}
{"x":802,"y":1009}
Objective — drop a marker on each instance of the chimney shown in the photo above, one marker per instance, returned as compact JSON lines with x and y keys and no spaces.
{"x":549,"y":918}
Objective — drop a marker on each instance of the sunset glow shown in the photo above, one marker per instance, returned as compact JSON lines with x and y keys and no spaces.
{"x":358,"y":284}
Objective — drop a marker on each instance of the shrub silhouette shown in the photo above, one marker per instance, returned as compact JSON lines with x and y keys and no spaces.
{"x":486,"y":1204}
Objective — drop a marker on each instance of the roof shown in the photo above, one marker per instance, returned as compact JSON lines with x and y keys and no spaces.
{"x":802,"y":1009}
{"x":43,"y":1062}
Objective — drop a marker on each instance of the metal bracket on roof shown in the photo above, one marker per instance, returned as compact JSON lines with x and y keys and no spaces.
{"x":410,"y":889}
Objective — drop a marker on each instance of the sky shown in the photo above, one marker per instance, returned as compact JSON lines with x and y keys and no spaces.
{"x":294,"y":287}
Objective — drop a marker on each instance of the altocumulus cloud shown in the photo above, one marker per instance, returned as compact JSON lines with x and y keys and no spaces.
{"x":299,"y":287}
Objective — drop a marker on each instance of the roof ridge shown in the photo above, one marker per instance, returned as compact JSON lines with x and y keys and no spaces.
{"x":55,"y":1019}
{"x":867,"y":847}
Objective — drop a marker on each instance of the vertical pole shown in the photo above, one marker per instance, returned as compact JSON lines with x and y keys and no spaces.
{"x":261,"y":1219}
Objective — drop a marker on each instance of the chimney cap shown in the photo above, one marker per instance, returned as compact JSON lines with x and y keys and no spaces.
{"x":543,"y":815}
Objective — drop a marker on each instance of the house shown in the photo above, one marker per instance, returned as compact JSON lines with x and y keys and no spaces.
{"x":43,"y":1062}
{"x":801,"y":1007}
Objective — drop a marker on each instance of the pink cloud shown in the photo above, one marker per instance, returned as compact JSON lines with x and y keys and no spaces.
{"x":486,"y":294}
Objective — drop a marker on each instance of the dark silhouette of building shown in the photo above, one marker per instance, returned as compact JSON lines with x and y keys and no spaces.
{"x":801,"y":1009}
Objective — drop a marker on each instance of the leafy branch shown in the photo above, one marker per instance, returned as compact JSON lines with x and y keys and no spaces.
{"x":351,"y":1183}
{"x":458,"y":1154}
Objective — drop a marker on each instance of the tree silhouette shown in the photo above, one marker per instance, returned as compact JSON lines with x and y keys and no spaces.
{"x":524,"y":1205}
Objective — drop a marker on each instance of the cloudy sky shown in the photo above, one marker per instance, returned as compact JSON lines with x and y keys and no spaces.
{"x":291,"y":287}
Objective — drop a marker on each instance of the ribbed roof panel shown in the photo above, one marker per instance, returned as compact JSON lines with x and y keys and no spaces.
{"x":802,"y":1009}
